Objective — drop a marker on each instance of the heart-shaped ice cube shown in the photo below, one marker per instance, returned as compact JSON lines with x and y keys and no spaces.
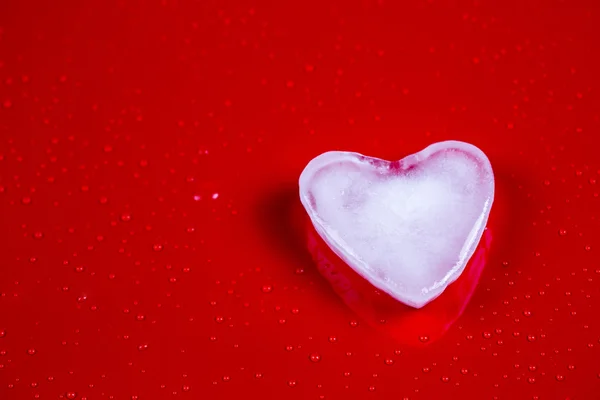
{"x":410,"y":226}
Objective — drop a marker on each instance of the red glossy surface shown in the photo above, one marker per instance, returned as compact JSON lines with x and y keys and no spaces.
{"x":149,"y":156}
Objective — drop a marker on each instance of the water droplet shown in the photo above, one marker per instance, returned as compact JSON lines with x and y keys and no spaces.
{"x":226,"y":378}
{"x":258,"y":375}
{"x":487,"y":335}
{"x":185,"y":388}
{"x":125,"y":217}
{"x":423,"y":339}
{"x":562,"y":232}
{"x":531,"y":338}
{"x":560,"y":377}
{"x":31,"y":351}
{"x":464,"y":371}
{"x":315,"y":357}
{"x":2,"y":333}
{"x":445,"y":379}
{"x":71,"y":395}
{"x":531,"y":380}
{"x":389,"y":361}
{"x":157,"y":247}
{"x":371,"y":388}
{"x":527,"y":313}
{"x":215,"y":196}
{"x":426,"y":369}
{"x":26,"y":200}
{"x":291,"y":383}
{"x":267,"y":288}
{"x":354,"y":323}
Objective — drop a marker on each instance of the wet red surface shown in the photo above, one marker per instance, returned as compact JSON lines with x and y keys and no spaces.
{"x":152,"y":237}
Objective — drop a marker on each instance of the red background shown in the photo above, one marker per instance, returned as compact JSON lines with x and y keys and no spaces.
{"x":123,"y":278}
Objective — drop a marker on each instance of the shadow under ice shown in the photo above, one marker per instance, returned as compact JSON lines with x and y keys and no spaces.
{"x":285,"y":222}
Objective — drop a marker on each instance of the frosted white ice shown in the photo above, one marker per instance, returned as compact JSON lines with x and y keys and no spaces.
{"x":410,"y":226}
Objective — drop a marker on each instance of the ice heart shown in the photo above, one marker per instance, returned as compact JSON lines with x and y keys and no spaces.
{"x":410,"y":226}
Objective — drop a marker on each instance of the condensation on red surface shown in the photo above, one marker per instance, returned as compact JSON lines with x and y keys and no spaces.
{"x":149,"y":157}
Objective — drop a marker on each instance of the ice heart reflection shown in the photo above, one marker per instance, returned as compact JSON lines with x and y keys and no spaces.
{"x":403,"y":323}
